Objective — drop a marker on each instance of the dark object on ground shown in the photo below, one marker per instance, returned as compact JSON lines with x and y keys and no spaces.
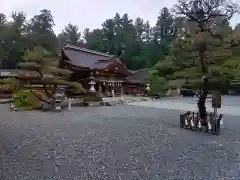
{"x":188,"y":92}
{"x":202,"y":99}
{"x":157,"y":96}
{"x":202,"y":109}
{"x":45,"y":107}
{"x":192,"y":121}
{"x":105,"y":103}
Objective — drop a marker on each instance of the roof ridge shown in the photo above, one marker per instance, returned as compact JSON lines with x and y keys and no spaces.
{"x":143,"y":69}
{"x":107,"y":60}
{"x":88,"y":50}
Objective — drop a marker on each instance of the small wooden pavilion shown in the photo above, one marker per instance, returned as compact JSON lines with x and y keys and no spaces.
{"x":24,"y":76}
{"x":136,"y":83}
{"x":106,"y":72}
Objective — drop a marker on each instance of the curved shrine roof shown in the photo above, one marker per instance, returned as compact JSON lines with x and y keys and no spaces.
{"x":101,"y":64}
{"x":85,"y":58}
{"x":138,"y":76}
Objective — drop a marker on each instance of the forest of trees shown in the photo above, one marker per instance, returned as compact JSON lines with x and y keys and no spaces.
{"x":135,"y":42}
{"x":195,"y":37}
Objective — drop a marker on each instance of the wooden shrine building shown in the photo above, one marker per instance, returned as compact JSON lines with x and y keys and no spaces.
{"x":136,"y":84}
{"x":107,"y":71}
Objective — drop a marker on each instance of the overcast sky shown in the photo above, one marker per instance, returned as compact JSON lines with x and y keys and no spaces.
{"x":90,"y":13}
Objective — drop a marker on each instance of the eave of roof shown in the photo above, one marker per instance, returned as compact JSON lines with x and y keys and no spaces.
{"x":134,"y":81}
{"x":19,"y":73}
{"x":88,"y":50}
{"x":101,"y":65}
{"x":138,"y":76}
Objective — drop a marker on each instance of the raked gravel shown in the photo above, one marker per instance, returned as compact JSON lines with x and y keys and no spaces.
{"x":114,"y":143}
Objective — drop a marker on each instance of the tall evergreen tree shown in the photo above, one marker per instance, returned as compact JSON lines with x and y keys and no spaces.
{"x":71,"y":35}
{"x":40,"y":31}
{"x":203,"y":14}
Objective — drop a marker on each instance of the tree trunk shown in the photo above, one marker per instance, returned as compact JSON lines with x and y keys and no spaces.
{"x":201,"y":53}
{"x":50,"y":95}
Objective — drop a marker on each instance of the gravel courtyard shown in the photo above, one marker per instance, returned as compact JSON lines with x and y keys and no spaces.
{"x":114,"y":143}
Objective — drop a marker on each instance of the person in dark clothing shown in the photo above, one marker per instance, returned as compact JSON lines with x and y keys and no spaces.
{"x":202,"y":100}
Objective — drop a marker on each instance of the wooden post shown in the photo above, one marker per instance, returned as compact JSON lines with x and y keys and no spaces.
{"x":69,"y":103}
{"x":122,"y":93}
{"x":216,"y":103}
{"x":100,"y":89}
{"x":113,"y":93}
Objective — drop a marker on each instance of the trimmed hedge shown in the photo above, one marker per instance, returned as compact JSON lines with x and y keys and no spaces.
{"x":25,"y":99}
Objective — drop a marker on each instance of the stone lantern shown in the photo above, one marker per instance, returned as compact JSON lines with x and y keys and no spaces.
{"x":92,"y":83}
{"x":112,"y":85}
{"x":148,"y":87}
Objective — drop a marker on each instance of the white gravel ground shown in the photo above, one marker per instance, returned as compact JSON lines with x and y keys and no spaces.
{"x":113,"y":143}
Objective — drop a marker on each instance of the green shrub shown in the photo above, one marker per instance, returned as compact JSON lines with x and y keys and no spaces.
{"x":195,"y":84}
{"x":214,"y":83}
{"x":25,"y":99}
{"x":157,"y":86}
{"x":10,"y":83}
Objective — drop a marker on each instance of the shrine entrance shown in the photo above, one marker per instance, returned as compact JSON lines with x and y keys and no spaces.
{"x":110,"y":88}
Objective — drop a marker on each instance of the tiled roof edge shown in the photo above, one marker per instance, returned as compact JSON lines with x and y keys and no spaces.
{"x":88,"y":50}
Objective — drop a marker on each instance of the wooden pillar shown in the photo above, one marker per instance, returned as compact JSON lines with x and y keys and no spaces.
{"x":69,"y":103}
{"x":106,"y":89}
{"x":100,"y":89}
{"x":113,"y":92}
{"x":122,"y":93}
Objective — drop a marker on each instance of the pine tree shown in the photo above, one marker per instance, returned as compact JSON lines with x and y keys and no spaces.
{"x":50,"y":76}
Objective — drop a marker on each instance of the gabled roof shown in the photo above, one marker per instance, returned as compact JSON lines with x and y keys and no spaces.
{"x":138,"y":76}
{"x":102,"y":64}
{"x":88,"y":51}
{"x":89,"y":59}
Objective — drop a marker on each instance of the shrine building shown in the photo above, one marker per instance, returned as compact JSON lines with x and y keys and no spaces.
{"x":96,"y":71}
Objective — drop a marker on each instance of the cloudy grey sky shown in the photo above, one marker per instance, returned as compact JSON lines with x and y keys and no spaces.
{"x":90,"y":13}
